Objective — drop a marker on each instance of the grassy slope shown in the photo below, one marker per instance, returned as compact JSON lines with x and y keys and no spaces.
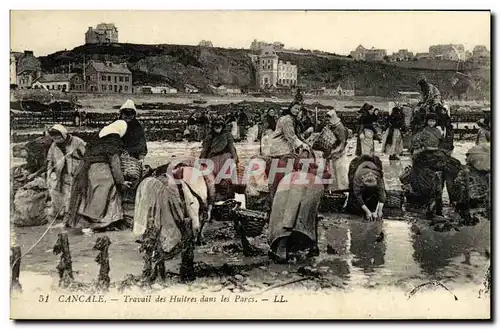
{"x":179,"y":64}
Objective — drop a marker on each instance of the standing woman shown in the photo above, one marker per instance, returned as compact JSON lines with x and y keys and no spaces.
{"x":96,"y":200}
{"x":63,"y":160}
{"x":392,"y":143}
{"x":285,"y":145}
{"x":337,"y":156}
{"x":219,"y":148}
{"x":366,"y":131}
{"x":268,"y":127}
{"x":134,"y":139}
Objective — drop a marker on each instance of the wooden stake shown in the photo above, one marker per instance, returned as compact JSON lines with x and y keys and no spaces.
{"x":103,"y":280}
{"x":15,"y":265}
{"x":65,"y":267}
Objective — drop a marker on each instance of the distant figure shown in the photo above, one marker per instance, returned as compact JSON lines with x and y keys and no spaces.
{"x":392,"y":142}
{"x":242,"y":124}
{"x":77,"y":118}
{"x":63,"y":160}
{"x":203,"y":123}
{"x":366,"y":130}
{"x":191,"y":127}
{"x":298,"y":97}
{"x":134,"y":139}
{"x":431,"y":97}
{"x":484,"y":133}
{"x":232,"y":125}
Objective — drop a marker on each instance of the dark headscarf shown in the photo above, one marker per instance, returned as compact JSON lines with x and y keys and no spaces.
{"x":217,"y":143}
{"x":365,"y":108}
{"x":271,"y":120}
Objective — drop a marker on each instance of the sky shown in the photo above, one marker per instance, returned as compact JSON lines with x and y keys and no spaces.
{"x":339,"y":32}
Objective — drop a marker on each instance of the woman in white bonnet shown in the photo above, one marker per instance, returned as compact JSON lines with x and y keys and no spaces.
{"x":96,"y":200}
{"x":63,"y":160}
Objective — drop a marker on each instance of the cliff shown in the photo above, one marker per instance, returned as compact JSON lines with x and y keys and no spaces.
{"x":201,"y":66}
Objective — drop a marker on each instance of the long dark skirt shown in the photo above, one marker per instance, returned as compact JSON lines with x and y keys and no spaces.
{"x":430,"y":171}
{"x":293,"y":220}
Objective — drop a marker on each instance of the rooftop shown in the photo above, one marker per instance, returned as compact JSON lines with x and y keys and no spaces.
{"x":109,"y":67}
{"x":59,"y":77}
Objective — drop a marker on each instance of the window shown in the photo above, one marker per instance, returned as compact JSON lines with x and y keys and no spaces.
{"x":103,"y":87}
{"x":116,"y":87}
{"x":126,"y":79}
{"x":263,"y":66}
{"x":110,"y":87}
{"x":116,"y":78}
{"x":59,"y":87}
{"x":53,"y":86}
{"x":103,"y":78}
{"x":126,"y":87}
{"x":121,"y":79}
{"x":269,"y":67}
{"x":109,"y":77}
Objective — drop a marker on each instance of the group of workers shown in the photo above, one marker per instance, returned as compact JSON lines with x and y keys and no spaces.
{"x":86,"y":181}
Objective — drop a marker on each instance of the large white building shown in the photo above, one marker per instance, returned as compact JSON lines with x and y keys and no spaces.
{"x":271,"y":72}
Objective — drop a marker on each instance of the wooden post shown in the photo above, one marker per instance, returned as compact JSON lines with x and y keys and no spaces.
{"x":103,"y":280}
{"x":316,"y":121}
{"x":15,"y":265}
{"x":154,"y":257}
{"x":65,"y":267}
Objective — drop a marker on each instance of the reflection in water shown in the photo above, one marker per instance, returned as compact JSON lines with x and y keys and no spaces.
{"x":435,"y":250}
{"x":368,"y":245}
{"x":398,"y":257}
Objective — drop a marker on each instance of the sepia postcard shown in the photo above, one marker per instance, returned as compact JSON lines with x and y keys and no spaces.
{"x":250,"y":164}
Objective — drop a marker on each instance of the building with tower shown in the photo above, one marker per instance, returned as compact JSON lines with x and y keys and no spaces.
{"x":271,"y":72}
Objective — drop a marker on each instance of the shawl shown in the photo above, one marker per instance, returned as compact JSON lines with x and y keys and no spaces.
{"x":271,"y":122}
{"x":216,"y":144}
{"x":59,"y":156}
{"x":134,"y":139}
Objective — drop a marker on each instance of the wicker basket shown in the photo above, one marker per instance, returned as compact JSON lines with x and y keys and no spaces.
{"x":131,"y":167}
{"x":332,"y":202}
{"x":395,"y":199}
{"x":253,"y":221}
{"x":325,"y":142}
{"x":224,"y":212}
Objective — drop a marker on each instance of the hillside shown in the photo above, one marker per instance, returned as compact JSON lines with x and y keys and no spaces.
{"x":179,"y":64}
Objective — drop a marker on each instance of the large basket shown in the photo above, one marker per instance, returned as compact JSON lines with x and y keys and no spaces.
{"x":131,"y":167}
{"x":253,"y":221}
{"x":395,"y":199}
{"x":224,"y":212}
{"x":325,"y":142}
{"x":332,"y":202}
